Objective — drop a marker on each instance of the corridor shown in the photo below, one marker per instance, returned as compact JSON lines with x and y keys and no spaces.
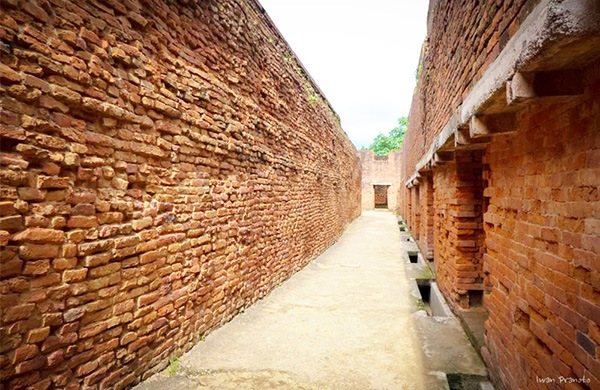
{"x":343,"y":322}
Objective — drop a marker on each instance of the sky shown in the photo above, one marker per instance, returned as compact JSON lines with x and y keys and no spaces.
{"x":362,"y":55}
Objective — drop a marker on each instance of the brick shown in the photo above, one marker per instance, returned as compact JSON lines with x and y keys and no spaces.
{"x":7,"y":208}
{"x":31,"y":194}
{"x":39,"y":235}
{"x":35,"y":82}
{"x":16,"y":313}
{"x":39,"y":267}
{"x":83,"y":209}
{"x":30,"y":365}
{"x":74,"y":314}
{"x":37,"y":335}
{"x":11,"y":268}
{"x":24,"y":353}
{"x":50,"y":168}
{"x":149,"y":257}
{"x":82,"y":222}
{"x":38,"y":251}
{"x":36,"y":11}
{"x":45,"y":182}
{"x":11,"y":223}
{"x":74,"y":275}
{"x":82,"y":197}
{"x":8,"y":75}
{"x":142,"y":223}
{"x":89,"y":248}
{"x":62,"y":264}
{"x":4,"y":237}
{"x":147,"y":299}
{"x":128,"y":338}
{"x":45,"y":281}
{"x":104,"y":270}
{"x":93,"y":330}
{"x":96,"y":260}
{"x":56,"y":358}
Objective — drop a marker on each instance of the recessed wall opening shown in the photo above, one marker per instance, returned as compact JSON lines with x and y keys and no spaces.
{"x":413,"y":257}
{"x":425,"y":291}
{"x":475,"y":298}
{"x":458,"y":381}
{"x":381,"y":195}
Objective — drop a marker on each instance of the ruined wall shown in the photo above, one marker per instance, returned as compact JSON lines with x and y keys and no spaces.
{"x":164,"y":164}
{"x":515,"y":180}
{"x":380,"y":170}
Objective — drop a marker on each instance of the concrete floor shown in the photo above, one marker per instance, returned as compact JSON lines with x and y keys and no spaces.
{"x":346,"y":321}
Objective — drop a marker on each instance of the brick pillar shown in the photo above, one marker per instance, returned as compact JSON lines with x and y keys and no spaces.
{"x":415,"y":222}
{"x":426,"y":222}
{"x":459,"y":229}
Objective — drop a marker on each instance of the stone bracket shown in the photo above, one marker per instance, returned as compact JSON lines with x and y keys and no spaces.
{"x":440,"y":158}
{"x":533,"y":87}
{"x":537,"y":65}
{"x":487,"y":125}
{"x":464,"y":140}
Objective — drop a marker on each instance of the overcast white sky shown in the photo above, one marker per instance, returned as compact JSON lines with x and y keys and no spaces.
{"x":362,"y":54}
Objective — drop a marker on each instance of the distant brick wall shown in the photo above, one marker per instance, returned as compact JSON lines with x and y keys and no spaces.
{"x":515,"y":216}
{"x":380,"y":170}
{"x":164,"y":164}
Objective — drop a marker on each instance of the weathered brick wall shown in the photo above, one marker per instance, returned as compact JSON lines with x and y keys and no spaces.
{"x":164,"y":164}
{"x":543,"y":238}
{"x":380,"y":170}
{"x":463,"y":38}
{"x":516,"y":215}
{"x":412,"y":146}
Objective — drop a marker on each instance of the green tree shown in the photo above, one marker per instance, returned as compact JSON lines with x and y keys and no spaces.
{"x":383,"y":144}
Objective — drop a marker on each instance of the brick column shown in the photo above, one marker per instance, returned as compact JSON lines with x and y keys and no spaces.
{"x":415,"y":222}
{"x":427,"y":211}
{"x":459,"y":229}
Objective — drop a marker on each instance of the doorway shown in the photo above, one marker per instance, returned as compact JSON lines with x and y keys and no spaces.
{"x":381,"y":195}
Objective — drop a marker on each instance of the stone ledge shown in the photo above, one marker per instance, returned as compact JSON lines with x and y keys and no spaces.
{"x":571,"y":28}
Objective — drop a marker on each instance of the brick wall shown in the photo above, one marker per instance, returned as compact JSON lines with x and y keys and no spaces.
{"x":163,"y":165}
{"x":515,"y":215}
{"x":380,"y":170}
{"x":463,"y":39}
{"x":543,"y":238}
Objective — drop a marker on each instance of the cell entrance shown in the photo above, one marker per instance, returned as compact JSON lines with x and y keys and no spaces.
{"x":381,"y":195}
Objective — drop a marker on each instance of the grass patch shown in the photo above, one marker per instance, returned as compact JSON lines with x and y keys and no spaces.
{"x":173,"y":366}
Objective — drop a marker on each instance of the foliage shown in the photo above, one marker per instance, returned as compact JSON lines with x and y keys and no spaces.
{"x":173,"y":366}
{"x":383,"y":144}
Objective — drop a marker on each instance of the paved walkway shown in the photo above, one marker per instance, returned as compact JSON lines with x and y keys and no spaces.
{"x":343,"y":322}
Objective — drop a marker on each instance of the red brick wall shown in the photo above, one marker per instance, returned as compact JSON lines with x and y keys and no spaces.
{"x":543,"y":238}
{"x":463,"y":39}
{"x":519,"y":218}
{"x":163,"y":165}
